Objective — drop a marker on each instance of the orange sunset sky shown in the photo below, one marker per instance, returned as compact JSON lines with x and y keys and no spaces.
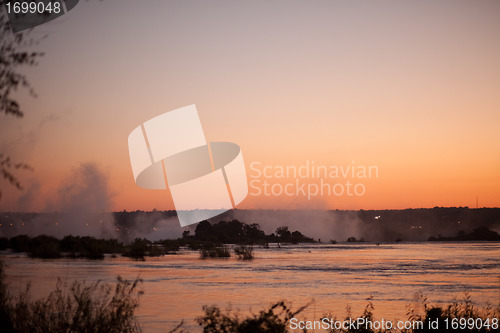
{"x":412,"y":87}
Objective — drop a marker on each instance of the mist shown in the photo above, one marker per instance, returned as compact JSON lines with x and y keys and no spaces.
{"x":81,"y":206}
{"x":150,"y":225}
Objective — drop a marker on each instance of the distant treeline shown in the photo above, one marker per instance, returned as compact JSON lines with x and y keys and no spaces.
{"x":206,"y":235}
{"x":236,"y":232}
{"x":415,"y":224}
{"x":386,"y":225}
{"x":478,"y":234}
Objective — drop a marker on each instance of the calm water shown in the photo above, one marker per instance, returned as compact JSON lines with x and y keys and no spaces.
{"x":177,"y":286}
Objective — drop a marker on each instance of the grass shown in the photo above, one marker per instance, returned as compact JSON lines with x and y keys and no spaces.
{"x":278,"y":319}
{"x":273,"y":320}
{"x":459,"y":311}
{"x":79,"y":307}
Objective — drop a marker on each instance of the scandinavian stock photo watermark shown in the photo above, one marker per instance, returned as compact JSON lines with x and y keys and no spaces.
{"x":310,"y":179}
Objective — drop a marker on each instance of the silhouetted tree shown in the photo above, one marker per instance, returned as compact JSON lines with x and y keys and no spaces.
{"x":14,"y":58}
{"x":284,"y":234}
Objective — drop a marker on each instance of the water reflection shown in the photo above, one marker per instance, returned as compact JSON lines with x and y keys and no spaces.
{"x":177,"y":286}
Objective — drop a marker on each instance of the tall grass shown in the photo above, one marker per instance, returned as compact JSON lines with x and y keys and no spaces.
{"x":426,"y":313}
{"x":277,"y":319}
{"x":459,"y":311}
{"x":273,"y":320}
{"x":79,"y":307}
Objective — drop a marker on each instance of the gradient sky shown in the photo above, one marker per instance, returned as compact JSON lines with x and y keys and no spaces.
{"x":412,"y":87}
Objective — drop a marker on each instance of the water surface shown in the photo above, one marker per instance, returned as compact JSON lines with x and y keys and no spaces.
{"x":331,"y":276}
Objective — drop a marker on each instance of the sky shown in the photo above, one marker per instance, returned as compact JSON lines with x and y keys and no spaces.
{"x":409,"y":87}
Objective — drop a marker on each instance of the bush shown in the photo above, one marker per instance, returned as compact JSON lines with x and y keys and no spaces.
{"x":431,"y":313}
{"x":273,"y":320}
{"x":45,"y":247}
{"x":212,"y":251}
{"x":81,"y":307}
{"x":462,"y":309}
{"x":138,"y":249}
{"x":244,"y":252}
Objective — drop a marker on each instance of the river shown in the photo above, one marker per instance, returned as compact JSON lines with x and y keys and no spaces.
{"x":329,"y":276}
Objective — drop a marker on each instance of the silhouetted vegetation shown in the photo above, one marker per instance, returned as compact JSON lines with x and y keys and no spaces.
{"x":206,"y":238}
{"x":141,"y":248}
{"x":355,"y":240}
{"x":374,"y":225}
{"x":80,"y":307}
{"x":478,"y":234}
{"x":15,"y":58}
{"x":214,"y":251}
{"x":283,"y":235}
{"x":244,"y":252}
{"x":48,"y":247}
{"x":138,"y":249}
{"x":99,"y":307}
{"x":44,"y":246}
{"x":423,"y":318}
{"x":89,"y":247}
{"x":459,"y":312}
{"x":236,"y":232}
{"x":232,"y":232}
{"x":273,"y":320}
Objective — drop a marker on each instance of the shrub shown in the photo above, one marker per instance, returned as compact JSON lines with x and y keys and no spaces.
{"x":212,"y":251}
{"x":45,"y":247}
{"x":244,"y":252}
{"x":138,"y":249}
{"x":459,"y":310}
{"x":273,"y":320}
{"x":81,"y":307}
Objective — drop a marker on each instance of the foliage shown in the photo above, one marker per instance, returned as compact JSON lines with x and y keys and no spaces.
{"x":89,"y":247}
{"x":44,"y":246}
{"x":214,"y":251}
{"x":229,"y":232}
{"x":7,"y":168}
{"x":81,"y":307}
{"x":355,"y":240}
{"x":367,"y":315}
{"x":286,"y":236}
{"x":137,"y":249}
{"x":236,"y":232}
{"x":273,"y":320}
{"x":14,"y":58}
{"x":244,"y":252}
{"x":458,"y":309}
{"x":48,"y":247}
{"x":478,"y":234}
{"x":143,"y":247}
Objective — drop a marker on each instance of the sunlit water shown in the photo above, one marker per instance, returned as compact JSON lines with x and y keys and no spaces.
{"x":332,"y":276}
